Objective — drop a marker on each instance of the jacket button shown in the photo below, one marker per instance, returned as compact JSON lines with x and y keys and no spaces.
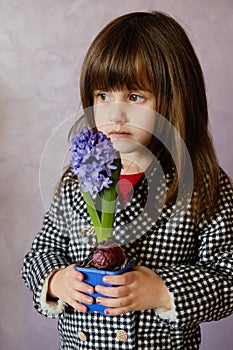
{"x":82,"y":336}
{"x":121,"y":335}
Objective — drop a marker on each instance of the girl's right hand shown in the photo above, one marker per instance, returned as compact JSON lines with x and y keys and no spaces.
{"x":67,"y":284}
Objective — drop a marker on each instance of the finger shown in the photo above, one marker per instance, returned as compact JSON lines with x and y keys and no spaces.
{"x":83,"y":287}
{"x":81,"y":298}
{"x":78,"y":306}
{"x":114,"y":302}
{"x":75,"y":274}
{"x":125,"y":278}
{"x":117,"y":311}
{"x":114,"y":292}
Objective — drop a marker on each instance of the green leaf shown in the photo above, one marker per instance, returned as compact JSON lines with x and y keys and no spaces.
{"x":91,"y":209}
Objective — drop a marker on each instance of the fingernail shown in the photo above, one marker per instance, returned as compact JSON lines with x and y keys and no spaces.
{"x":90,"y":291}
{"x":83,"y":309}
{"x":98,"y":300}
{"x":79,"y":278}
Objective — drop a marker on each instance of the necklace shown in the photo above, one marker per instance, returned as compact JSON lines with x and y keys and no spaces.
{"x":130,"y":167}
{"x":139,"y":164}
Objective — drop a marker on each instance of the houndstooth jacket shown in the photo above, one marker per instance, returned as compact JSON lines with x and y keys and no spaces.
{"x":194,"y":260}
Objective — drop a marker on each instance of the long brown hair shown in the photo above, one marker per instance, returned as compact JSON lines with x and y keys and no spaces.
{"x":151,"y":51}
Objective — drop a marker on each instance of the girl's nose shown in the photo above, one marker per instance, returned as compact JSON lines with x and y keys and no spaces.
{"x":118,"y":112}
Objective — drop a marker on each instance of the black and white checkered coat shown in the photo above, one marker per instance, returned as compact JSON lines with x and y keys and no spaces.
{"x":195,"y":262}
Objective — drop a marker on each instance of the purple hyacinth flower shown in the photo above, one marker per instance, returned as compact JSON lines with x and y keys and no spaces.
{"x":92,"y":160}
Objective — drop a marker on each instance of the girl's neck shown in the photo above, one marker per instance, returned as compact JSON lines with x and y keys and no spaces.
{"x":136,"y":165}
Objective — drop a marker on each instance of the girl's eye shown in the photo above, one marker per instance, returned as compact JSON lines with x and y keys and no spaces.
{"x":104,"y":97}
{"x":136,"y":98}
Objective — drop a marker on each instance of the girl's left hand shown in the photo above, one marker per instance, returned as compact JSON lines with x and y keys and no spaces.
{"x":139,"y":289}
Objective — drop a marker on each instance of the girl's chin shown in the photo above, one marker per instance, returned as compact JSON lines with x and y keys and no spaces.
{"x":124,"y":145}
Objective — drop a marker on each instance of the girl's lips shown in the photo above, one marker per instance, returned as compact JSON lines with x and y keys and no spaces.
{"x":119,"y":133}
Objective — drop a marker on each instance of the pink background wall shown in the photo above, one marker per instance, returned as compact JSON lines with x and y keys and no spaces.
{"x":42,"y":46}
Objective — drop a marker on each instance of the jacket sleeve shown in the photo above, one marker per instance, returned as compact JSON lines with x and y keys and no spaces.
{"x":204,"y":291}
{"x":48,"y":253}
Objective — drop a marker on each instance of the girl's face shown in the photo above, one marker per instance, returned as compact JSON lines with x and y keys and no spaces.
{"x":127,"y":117}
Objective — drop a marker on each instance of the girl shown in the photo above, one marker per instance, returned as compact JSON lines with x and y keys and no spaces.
{"x":143,"y":62}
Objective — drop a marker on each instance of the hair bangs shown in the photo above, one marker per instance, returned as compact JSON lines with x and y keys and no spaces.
{"x":122,"y":65}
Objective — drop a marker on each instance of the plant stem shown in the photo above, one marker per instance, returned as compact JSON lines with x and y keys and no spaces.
{"x":109,"y":203}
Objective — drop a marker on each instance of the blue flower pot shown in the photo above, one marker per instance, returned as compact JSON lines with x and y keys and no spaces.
{"x":94,"y":277}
